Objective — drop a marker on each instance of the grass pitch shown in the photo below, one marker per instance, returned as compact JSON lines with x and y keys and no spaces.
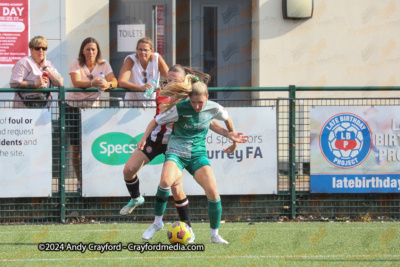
{"x":261,"y":244}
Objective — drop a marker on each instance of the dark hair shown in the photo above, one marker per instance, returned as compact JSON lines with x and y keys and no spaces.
{"x":81,"y":56}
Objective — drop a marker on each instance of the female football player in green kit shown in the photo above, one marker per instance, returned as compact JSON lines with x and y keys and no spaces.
{"x":187,"y":148}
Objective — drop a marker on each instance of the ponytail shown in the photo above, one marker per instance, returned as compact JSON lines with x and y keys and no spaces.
{"x":180,"y":91}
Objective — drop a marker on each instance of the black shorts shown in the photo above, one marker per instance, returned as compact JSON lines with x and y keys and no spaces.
{"x":73,"y":124}
{"x":153,"y":149}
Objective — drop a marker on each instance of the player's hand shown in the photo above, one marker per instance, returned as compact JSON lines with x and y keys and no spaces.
{"x":238,"y":137}
{"x":231,"y":148}
{"x":141,"y":144}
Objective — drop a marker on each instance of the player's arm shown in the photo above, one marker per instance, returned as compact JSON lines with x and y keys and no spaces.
{"x":152,"y":125}
{"x":234,"y":136}
{"x":231,"y":128}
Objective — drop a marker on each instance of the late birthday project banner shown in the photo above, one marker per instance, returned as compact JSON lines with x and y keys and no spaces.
{"x":109,"y":137}
{"x":355,"y":149}
{"x":25,"y":153}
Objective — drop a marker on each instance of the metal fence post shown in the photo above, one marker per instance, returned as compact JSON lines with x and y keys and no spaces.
{"x":62,"y":151}
{"x":292,"y":148}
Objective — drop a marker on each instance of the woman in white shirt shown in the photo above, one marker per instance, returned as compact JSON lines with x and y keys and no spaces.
{"x":139,"y":71}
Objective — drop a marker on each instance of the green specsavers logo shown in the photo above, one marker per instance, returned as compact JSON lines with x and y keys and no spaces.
{"x":116,"y":148}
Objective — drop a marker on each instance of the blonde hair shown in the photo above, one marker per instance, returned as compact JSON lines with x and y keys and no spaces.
{"x":191,"y":86}
{"x":178,"y":68}
{"x":145,"y":40}
{"x":37,"y":40}
{"x":204,"y":77}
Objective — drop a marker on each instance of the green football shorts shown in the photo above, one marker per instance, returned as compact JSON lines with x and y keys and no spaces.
{"x":191,"y":165}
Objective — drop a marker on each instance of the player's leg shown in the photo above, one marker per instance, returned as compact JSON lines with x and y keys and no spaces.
{"x":182,"y":205}
{"x":206,"y":179}
{"x":135,"y":162}
{"x":168,"y":176}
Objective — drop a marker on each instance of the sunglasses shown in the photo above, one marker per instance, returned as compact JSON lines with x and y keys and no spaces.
{"x":40,"y":47}
{"x":144,"y":73}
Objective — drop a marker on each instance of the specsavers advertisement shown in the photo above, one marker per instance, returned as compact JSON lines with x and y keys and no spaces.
{"x":110,"y":136}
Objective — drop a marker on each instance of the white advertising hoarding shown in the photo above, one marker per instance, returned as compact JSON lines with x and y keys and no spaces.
{"x":355,"y":149}
{"x":25,"y":153}
{"x":109,"y":136}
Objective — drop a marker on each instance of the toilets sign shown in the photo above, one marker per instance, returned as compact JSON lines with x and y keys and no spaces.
{"x":129,"y":35}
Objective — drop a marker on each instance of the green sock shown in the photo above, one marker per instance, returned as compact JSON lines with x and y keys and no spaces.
{"x":160,"y":204}
{"x":214,"y":212}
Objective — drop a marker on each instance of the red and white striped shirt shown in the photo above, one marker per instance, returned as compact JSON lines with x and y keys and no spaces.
{"x":162,"y":132}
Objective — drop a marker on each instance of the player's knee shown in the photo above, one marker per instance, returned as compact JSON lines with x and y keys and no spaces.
{"x":212,"y":193}
{"x":177,"y":185}
{"x":129,"y":172}
{"x":177,"y":192}
{"x":174,"y":189}
{"x":166,"y":183}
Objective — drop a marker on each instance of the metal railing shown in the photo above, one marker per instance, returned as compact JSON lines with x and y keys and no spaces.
{"x":293,"y":199}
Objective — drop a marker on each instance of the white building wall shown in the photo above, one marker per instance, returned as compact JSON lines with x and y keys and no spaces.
{"x":86,"y":18}
{"x":345,"y":43}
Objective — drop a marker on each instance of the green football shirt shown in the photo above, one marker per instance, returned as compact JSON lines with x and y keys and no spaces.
{"x":188,"y":138}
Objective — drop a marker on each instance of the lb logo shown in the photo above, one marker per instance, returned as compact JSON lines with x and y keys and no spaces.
{"x":345,"y":140}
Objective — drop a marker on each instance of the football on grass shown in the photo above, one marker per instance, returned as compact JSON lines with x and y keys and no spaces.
{"x":179,"y":232}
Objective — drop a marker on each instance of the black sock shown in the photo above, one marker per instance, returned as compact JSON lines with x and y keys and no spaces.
{"x":184,"y":212}
{"x":133,"y":187}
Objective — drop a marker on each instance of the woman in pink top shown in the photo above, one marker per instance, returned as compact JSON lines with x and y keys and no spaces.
{"x":28,"y":73}
{"x":85,"y":73}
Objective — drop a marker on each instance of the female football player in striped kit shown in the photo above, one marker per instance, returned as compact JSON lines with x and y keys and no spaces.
{"x":187,"y":149}
{"x":156,"y":144}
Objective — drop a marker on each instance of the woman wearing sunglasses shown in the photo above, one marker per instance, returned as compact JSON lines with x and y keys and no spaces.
{"x":139,"y":72}
{"x":33,"y":72}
